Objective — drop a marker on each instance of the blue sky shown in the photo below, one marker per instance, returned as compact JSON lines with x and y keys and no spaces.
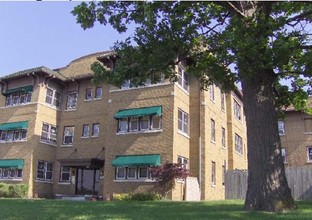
{"x":36,"y":34}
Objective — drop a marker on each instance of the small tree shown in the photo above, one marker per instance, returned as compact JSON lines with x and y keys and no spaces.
{"x":167,"y":174}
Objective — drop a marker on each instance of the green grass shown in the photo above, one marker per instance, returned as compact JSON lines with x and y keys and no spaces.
{"x":18,"y":209}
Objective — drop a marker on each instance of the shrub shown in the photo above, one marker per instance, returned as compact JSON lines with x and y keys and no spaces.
{"x":13,"y":190}
{"x":137,"y":196}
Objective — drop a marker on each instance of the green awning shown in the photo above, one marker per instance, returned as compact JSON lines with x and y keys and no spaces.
{"x":19,"y":164}
{"x":14,"y":125}
{"x":137,"y":112}
{"x":19,"y":89}
{"x":137,"y":160}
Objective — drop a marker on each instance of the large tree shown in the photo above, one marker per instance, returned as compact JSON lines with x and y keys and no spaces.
{"x":254,"y":43}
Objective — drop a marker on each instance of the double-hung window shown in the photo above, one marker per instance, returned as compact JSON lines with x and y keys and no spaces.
{"x":183,"y":120}
{"x":95,"y":130}
{"x":88,"y":95}
{"x":309,"y":153}
{"x":238,"y":144}
{"x":223,"y":137}
{"x":44,"y":171}
{"x":48,"y":133}
{"x":68,"y":137}
{"x":212,"y":92}
{"x":222,"y":101}
{"x":134,"y":124}
{"x":120,"y":172}
{"x":98,"y":92}
{"x":213,"y":173}
{"x":53,"y":97}
{"x":281,"y":127}
{"x":284,"y":155}
{"x":71,"y":100}
{"x":213,"y":130}
{"x":183,"y":161}
{"x":11,"y":173}
{"x":237,"y":110}
{"x":85,"y":130}
{"x":183,"y":79}
{"x":65,"y":174}
{"x":13,"y":135}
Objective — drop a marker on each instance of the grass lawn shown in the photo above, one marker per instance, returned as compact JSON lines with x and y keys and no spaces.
{"x":14,"y":209}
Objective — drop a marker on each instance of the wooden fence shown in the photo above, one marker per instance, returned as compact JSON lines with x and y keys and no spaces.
{"x":299,"y":180}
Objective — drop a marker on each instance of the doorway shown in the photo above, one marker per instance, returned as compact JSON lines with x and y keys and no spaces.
{"x":88,"y":181}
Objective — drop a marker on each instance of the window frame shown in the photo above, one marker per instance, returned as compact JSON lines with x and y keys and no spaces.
{"x":183,"y":78}
{"x":72,"y":100}
{"x":237,"y":110}
{"x":238,"y":144}
{"x":89,"y":94}
{"x":223,"y":137}
{"x":213,"y":173}
{"x":96,"y":95}
{"x":49,"y":133}
{"x":64,"y":136}
{"x":212,"y":92}
{"x":126,"y":124}
{"x":183,"y":122}
{"x":94,"y":125}
{"x":65,"y":172}
{"x":183,"y":161}
{"x":87,"y":134}
{"x":284,"y":154}
{"x":222,"y":101}
{"x":213,"y":130}
{"x":309,"y":154}
{"x":45,"y":170}
{"x":281,"y":127}
{"x":54,"y":98}
{"x":9,"y":171}
{"x":18,"y":98}
{"x":10,"y":135}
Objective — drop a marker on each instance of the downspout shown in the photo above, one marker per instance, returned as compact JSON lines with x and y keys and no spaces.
{"x":200,"y":144}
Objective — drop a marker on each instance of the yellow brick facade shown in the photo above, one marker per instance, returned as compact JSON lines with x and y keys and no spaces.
{"x":194,"y":145}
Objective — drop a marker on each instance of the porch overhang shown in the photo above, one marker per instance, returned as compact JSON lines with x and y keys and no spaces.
{"x":93,"y":163}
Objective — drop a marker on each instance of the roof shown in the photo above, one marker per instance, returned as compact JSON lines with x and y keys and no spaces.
{"x":34,"y":70}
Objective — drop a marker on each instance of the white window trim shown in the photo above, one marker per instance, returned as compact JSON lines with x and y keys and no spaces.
{"x":69,"y":108}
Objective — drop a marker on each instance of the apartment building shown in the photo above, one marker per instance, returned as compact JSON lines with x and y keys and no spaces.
{"x":62,"y":134}
{"x":295,"y":131}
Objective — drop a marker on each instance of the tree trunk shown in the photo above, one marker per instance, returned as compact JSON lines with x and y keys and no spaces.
{"x":267,"y":184}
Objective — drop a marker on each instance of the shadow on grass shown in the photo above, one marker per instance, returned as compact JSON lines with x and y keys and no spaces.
{"x":12,"y":209}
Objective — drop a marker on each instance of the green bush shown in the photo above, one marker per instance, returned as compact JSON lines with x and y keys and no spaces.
{"x":137,"y":197}
{"x":13,"y":190}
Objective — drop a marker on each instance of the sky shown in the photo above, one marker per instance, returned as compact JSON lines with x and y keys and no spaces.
{"x":34,"y":34}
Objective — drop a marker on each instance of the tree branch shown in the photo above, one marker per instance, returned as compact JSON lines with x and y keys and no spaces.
{"x":299,"y":17}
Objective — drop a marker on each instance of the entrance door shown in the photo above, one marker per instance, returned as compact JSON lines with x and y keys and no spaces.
{"x":88,"y":181}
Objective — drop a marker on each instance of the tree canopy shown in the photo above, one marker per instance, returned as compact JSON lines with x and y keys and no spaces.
{"x":255,"y":43}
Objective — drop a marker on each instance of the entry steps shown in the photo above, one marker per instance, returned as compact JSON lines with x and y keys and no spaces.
{"x":77,"y":197}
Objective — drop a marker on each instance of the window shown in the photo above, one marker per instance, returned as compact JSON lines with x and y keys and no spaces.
{"x":68,"y":137}
{"x":131,"y":172}
{"x":126,"y":84}
{"x":212,"y":92}
{"x":213,"y":173}
{"x":183,"y":161}
{"x":134,"y":124}
{"x":223,"y":137}
{"x":85,"y":130}
{"x":281,"y":127}
{"x":307,"y":125}
{"x":183,"y":78}
{"x":48,"y":133}
{"x":222,"y":101}
{"x":144,"y":173}
{"x":284,"y":155}
{"x":71,"y":100}
{"x":223,"y":174}
{"x":18,"y":98}
{"x":123,"y":125}
{"x":65,"y":174}
{"x":213,"y":130}
{"x":238,"y":144}
{"x":45,"y":171}
{"x":237,"y":110}
{"x":13,"y":135}
{"x":95,"y":130}
{"x":309,"y":151}
{"x":137,"y":124}
{"x":53,"y":97}
{"x":120,"y":172}
{"x":88,"y":94}
{"x":11,"y":173}
{"x":183,"y":121}
{"x":98,"y":92}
